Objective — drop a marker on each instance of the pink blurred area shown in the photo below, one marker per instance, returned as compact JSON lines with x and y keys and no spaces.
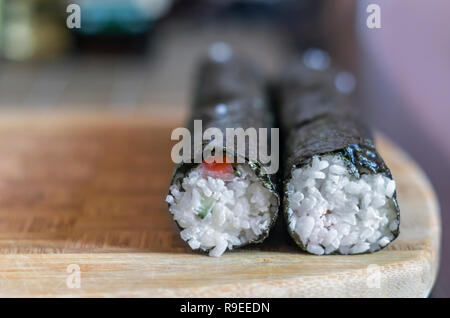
{"x":404,"y":73}
{"x":412,"y":50}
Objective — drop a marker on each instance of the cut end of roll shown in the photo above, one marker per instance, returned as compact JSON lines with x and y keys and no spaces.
{"x":332,"y":211}
{"x":219,"y":208}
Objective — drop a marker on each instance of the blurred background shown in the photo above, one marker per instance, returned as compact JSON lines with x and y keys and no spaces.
{"x":137,"y":57}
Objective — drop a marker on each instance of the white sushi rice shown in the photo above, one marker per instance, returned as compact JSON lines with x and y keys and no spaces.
{"x":332,"y":210}
{"x":240,"y":214}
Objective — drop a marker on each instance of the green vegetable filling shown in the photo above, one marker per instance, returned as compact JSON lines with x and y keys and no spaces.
{"x":206,"y":206}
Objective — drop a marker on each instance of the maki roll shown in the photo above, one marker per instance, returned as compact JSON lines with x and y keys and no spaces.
{"x":339,"y":196}
{"x":230,"y":201}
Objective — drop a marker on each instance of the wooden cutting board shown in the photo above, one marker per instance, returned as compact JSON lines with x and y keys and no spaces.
{"x":82,"y":213}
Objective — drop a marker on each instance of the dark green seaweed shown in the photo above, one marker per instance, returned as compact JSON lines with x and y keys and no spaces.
{"x":318,"y":120}
{"x":231,"y":94}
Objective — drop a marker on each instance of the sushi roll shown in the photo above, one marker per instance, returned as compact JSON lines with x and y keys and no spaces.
{"x":229,"y":203}
{"x":339,"y":196}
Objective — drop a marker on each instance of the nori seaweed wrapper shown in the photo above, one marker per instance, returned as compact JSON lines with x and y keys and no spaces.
{"x":231,"y":94}
{"x":317,"y":119}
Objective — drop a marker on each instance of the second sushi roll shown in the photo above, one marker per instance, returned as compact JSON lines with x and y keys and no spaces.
{"x":339,"y":196}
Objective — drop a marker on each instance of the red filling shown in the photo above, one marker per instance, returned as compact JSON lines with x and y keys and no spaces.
{"x":221,"y":170}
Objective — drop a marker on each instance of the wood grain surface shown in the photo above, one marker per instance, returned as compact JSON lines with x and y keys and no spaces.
{"x":90,"y":191}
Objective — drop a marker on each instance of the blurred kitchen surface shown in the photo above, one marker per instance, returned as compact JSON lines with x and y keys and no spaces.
{"x":138,"y":56}
{"x":105,"y":69}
